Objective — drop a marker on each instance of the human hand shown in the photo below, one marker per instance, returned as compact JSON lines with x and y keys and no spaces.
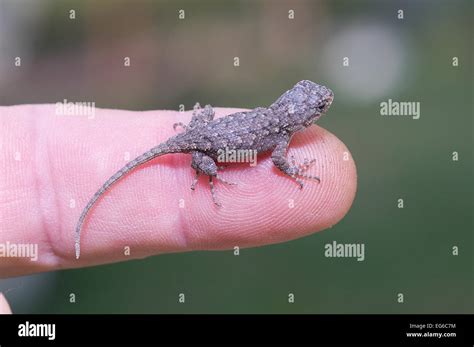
{"x":53,"y":164}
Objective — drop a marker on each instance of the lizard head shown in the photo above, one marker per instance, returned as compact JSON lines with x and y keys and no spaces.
{"x":305,"y":102}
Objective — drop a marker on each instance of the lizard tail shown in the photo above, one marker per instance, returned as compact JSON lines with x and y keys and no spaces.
{"x":145,"y":157}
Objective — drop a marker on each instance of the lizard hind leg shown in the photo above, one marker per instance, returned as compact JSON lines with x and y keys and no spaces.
{"x":204,"y":164}
{"x":213,"y":192}
{"x":195,"y":180}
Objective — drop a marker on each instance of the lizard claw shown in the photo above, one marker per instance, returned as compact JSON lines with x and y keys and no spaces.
{"x":197,"y":106}
{"x":226,"y":182}
{"x":301,"y":168}
{"x":179,"y":124}
{"x":297,"y":180}
{"x":300,"y":183}
{"x":316,"y":178}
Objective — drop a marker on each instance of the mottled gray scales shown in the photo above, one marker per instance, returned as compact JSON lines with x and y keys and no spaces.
{"x":261,"y":129}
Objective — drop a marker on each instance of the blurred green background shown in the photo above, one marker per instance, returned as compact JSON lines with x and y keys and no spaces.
{"x":180,"y":61}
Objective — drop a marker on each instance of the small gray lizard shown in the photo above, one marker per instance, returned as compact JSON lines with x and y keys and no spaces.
{"x":261,"y":129}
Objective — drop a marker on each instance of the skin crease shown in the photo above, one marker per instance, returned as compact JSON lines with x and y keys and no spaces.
{"x":65,"y":159}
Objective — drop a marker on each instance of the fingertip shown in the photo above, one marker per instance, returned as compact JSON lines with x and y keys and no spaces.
{"x":319,"y":205}
{"x":267,"y":207}
{"x":4,"y":306}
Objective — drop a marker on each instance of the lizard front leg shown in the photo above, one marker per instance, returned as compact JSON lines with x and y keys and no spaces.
{"x":293,"y":170}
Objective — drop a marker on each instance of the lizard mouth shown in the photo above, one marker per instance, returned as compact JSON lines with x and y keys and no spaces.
{"x":323,"y":108}
{"x":327,"y":103}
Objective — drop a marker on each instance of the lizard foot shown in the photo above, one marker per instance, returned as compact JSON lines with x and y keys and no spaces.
{"x":179,"y":124}
{"x":300,"y":169}
{"x":224,"y":181}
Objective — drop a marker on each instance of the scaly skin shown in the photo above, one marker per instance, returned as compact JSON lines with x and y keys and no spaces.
{"x":260,"y":130}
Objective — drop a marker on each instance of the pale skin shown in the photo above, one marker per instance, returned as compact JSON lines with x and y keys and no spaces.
{"x":52,"y":164}
{"x":4,"y":307}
